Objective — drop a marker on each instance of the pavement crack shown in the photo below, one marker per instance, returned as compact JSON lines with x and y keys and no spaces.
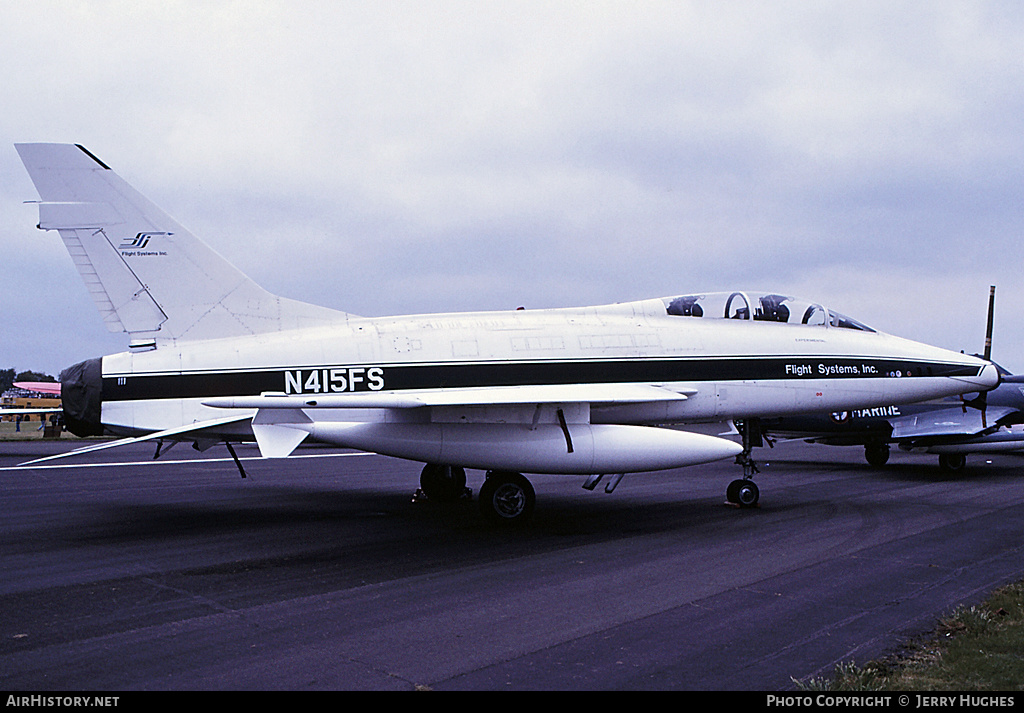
{"x":212,"y":603}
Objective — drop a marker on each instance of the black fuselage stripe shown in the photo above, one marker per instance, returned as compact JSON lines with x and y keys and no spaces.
{"x":399,"y":377}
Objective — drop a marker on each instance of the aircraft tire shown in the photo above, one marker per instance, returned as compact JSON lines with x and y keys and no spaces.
{"x":506,"y":498}
{"x":732,"y":492}
{"x":743,"y":492}
{"x":443,"y":483}
{"x":876,"y":455}
{"x":952,"y":462}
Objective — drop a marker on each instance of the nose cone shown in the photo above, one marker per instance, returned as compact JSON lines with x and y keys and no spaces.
{"x":986,"y":378}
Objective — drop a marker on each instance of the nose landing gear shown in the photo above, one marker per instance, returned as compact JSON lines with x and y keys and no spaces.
{"x":744,"y":492}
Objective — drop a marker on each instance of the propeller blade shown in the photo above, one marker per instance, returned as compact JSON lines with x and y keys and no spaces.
{"x":988,"y":329}
{"x":983,"y":397}
{"x":980,"y":401}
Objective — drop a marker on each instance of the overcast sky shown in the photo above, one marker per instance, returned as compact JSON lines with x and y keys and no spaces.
{"x":404,"y":157}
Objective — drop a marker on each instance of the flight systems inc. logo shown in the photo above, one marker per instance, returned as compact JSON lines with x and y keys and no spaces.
{"x":137,"y":246}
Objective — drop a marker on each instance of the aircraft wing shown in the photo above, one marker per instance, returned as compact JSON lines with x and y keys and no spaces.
{"x":1002,"y":441}
{"x":952,"y":421}
{"x":277,"y":439}
{"x":595,"y":394}
{"x":282,"y":422}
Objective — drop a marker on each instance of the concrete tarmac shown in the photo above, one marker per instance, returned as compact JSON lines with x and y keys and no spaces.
{"x":320,"y":572}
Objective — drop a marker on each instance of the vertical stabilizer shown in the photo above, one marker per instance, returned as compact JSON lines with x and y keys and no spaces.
{"x":149,"y":276}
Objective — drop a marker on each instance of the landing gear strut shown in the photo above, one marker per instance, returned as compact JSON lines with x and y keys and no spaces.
{"x":744,"y":492}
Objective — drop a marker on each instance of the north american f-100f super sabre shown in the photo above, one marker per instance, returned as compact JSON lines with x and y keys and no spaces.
{"x":593,"y":391}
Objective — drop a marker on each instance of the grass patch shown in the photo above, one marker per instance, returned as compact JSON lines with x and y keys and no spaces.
{"x":973,"y":649}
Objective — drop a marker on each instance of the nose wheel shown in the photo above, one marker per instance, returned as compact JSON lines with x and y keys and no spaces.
{"x":743,"y":492}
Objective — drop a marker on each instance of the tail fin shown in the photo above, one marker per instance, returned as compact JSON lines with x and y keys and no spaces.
{"x":149,"y":276}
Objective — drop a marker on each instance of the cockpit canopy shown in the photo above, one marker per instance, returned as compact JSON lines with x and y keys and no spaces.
{"x":760,"y":308}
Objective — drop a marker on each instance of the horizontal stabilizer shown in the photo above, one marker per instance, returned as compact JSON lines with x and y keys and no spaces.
{"x":184,"y":433}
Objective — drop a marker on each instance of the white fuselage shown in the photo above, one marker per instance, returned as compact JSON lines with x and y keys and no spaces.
{"x":729,"y":368}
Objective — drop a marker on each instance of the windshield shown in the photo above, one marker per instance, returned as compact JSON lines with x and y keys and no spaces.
{"x":759,"y":307}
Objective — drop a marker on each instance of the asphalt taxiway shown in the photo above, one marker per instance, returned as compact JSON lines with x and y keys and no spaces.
{"x":322,"y":572}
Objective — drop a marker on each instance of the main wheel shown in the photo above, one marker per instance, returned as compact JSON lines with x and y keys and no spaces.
{"x":877,"y":455}
{"x":952,"y":462}
{"x":443,"y":483}
{"x":507,"y":498}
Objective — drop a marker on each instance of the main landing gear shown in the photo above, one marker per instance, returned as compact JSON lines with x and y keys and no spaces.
{"x":744,"y":492}
{"x":952,"y":462}
{"x":505,"y":498}
{"x":876,"y":454}
{"x":443,"y":483}
{"x":508,"y":498}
